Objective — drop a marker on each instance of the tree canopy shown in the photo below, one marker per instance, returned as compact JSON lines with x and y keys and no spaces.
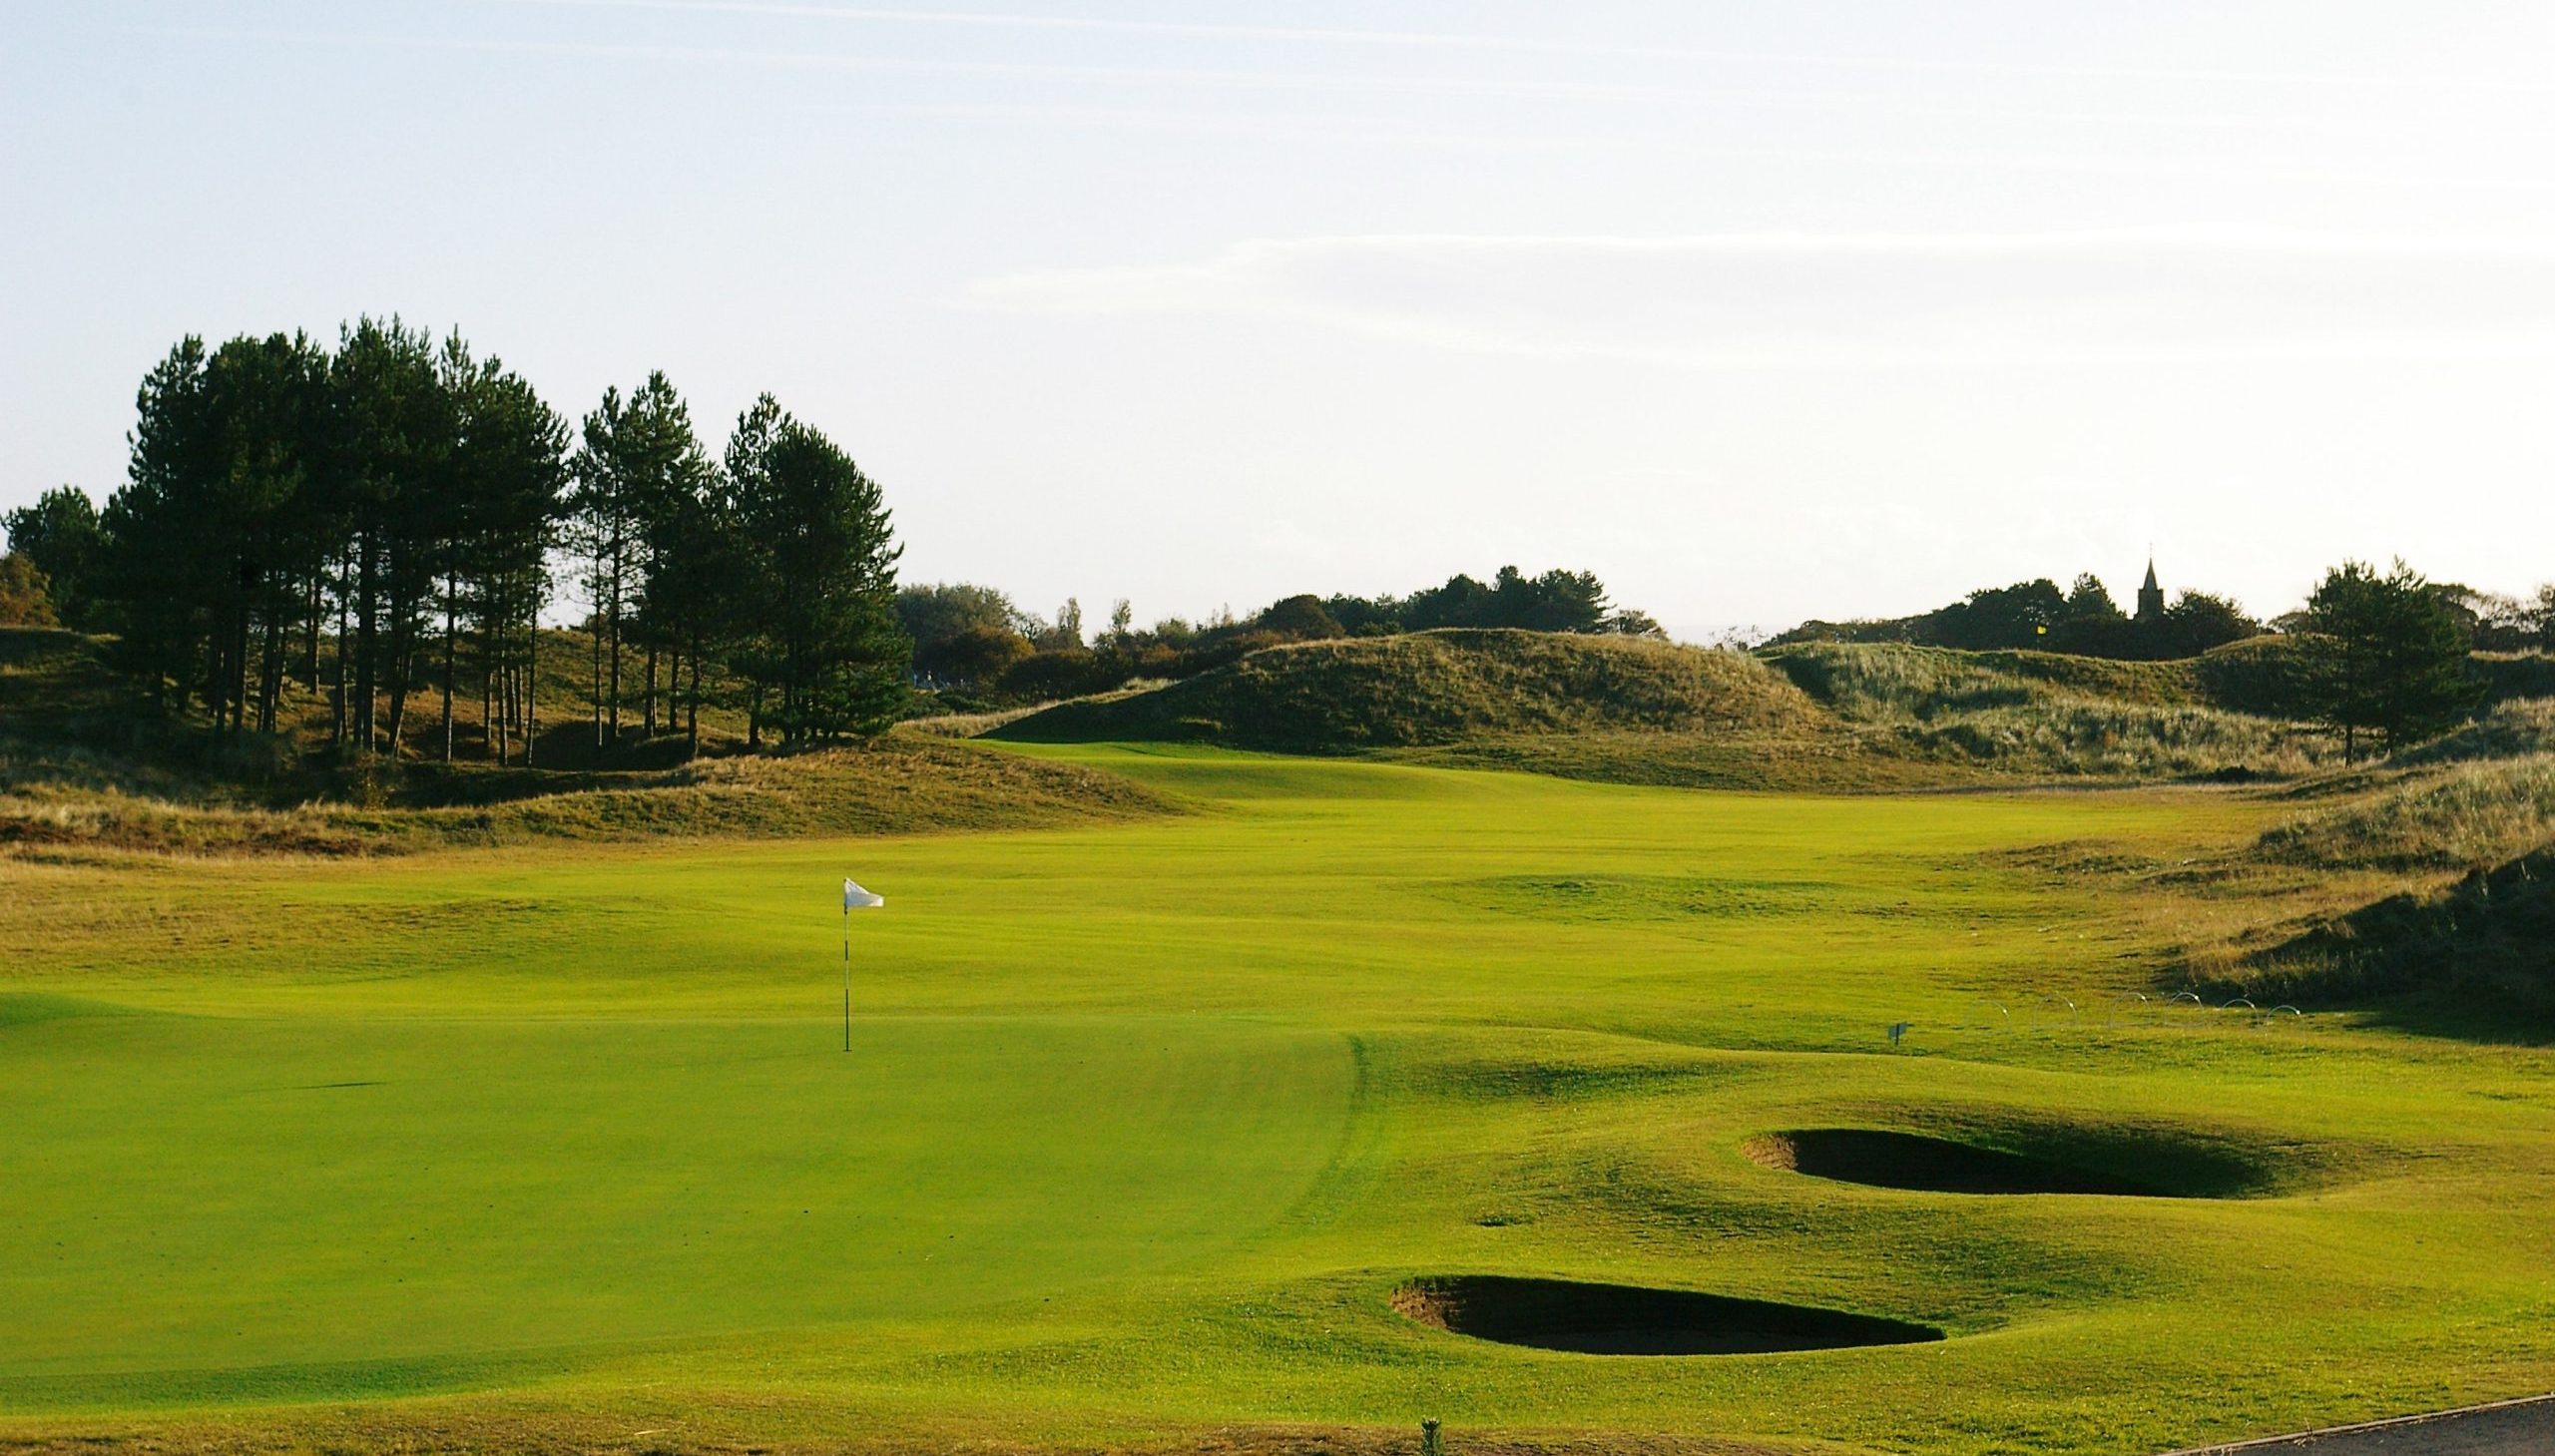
{"x":399,"y":501}
{"x":60,"y":537}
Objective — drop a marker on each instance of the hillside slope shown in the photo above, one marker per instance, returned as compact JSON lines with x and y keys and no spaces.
{"x":87,"y":769}
{"x":1824,"y":716}
{"x":2049,"y":714}
{"x":1439,"y":687}
{"x":2480,"y":949}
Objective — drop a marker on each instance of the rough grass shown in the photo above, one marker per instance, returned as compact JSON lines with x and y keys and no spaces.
{"x":2043,"y":714}
{"x":1890,"y":681}
{"x":1827,"y":717}
{"x":2507,"y":675}
{"x":2407,"y":886}
{"x":2447,"y":917}
{"x":2483,"y":945}
{"x":86,"y":769}
{"x":1437,"y":687}
{"x":2064,"y":736}
{"x":61,"y":803}
{"x":2460,"y":816}
{"x":2512,"y":729}
{"x":47,"y":671}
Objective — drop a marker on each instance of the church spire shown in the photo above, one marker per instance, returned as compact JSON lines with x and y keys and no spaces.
{"x":2150,"y":597}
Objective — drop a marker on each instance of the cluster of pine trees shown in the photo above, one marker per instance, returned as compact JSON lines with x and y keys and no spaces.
{"x":389,"y":517}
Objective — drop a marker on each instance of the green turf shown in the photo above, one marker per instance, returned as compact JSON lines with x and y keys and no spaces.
{"x":1144,"y":1123}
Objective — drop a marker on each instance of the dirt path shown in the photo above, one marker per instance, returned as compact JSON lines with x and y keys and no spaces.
{"x":2523,"y":1427}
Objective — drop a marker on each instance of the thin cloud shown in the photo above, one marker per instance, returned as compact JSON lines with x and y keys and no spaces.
{"x":2181,"y":239}
{"x":1186,"y":77}
{"x":1225,"y":81}
{"x":1379,"y":131}
{"x":1456,"y":41}
{"x":1819,"y":301}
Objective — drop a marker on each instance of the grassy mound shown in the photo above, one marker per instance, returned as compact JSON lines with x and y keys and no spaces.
{"x":2514,"y":728}
{"x":1827,"y":717}
{"x":2048,"y":714}
{"x":2463,"y":816}
{"x":88,"y":768}
{"x":1437,"y":687}
{"x":48,"y":674}
{"x":1874,"y":681}
{"x":74,"y":804}
{"x":2261,"y":675}
{"x":2488,"y":939}
{"x":2508,"y":676}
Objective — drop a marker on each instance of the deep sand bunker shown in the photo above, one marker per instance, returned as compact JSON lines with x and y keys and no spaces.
{"x":1925,"y":1164}
{"x":1625,"y":1320}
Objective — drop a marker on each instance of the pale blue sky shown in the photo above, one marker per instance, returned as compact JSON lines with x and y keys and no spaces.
{"x":1759,"y":310}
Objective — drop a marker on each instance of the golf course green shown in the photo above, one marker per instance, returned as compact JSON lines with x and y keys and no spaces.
{"x":1150,"y":1128}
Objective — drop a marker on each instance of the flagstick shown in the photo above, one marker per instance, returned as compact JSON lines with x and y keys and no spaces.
{"x":846,"y":973}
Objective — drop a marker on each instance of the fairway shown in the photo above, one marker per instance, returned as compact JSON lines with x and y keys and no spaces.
{"x":1144,"y":1124}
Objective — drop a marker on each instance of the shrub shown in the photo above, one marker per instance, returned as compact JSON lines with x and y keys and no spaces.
{"x":26,"y":598}
{"x":1056,"y":673}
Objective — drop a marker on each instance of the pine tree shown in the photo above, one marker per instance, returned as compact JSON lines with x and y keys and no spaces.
{"x":509,"y":471}
{"x":817,"y":580}
{"x":2385,"y":655}
{"x":396,"y":427}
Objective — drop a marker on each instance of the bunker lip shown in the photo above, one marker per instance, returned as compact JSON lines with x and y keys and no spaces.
{"x":1629,"y":1319}
{"x":1924,"y":1163}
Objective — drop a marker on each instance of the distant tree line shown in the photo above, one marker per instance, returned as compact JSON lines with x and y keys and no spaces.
{"x":388,"y":517}
{"x":2381,"y":657}
{"x":977,"y":641}
{"x":2036,"y":614}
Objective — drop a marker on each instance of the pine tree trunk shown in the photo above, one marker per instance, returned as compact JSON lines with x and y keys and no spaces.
{"x":452,"y":591}
{"x":648,"y":721}
{"x":240,"y":664}
{"x":615,"y":641}
{"x":487,"y":697}
{"x":597,"y":692}
{"x":310,"y":634}
{"x":367,"y":643}
{"x":337,"y":734}
{"x":403,"y":677}
{"x":270,"y":673}
{"x":531,"y":655}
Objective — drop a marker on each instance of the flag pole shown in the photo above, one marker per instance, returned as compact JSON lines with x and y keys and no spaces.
{"x":847,"y":972}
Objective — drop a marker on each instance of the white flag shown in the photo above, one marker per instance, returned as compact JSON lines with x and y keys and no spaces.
{"x":856,"y":899}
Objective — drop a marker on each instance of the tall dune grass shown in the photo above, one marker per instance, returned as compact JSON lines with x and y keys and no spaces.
{"x":2466,"y":816}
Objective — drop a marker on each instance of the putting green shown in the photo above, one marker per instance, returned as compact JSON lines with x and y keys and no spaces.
{"x":1144,"y":1126}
